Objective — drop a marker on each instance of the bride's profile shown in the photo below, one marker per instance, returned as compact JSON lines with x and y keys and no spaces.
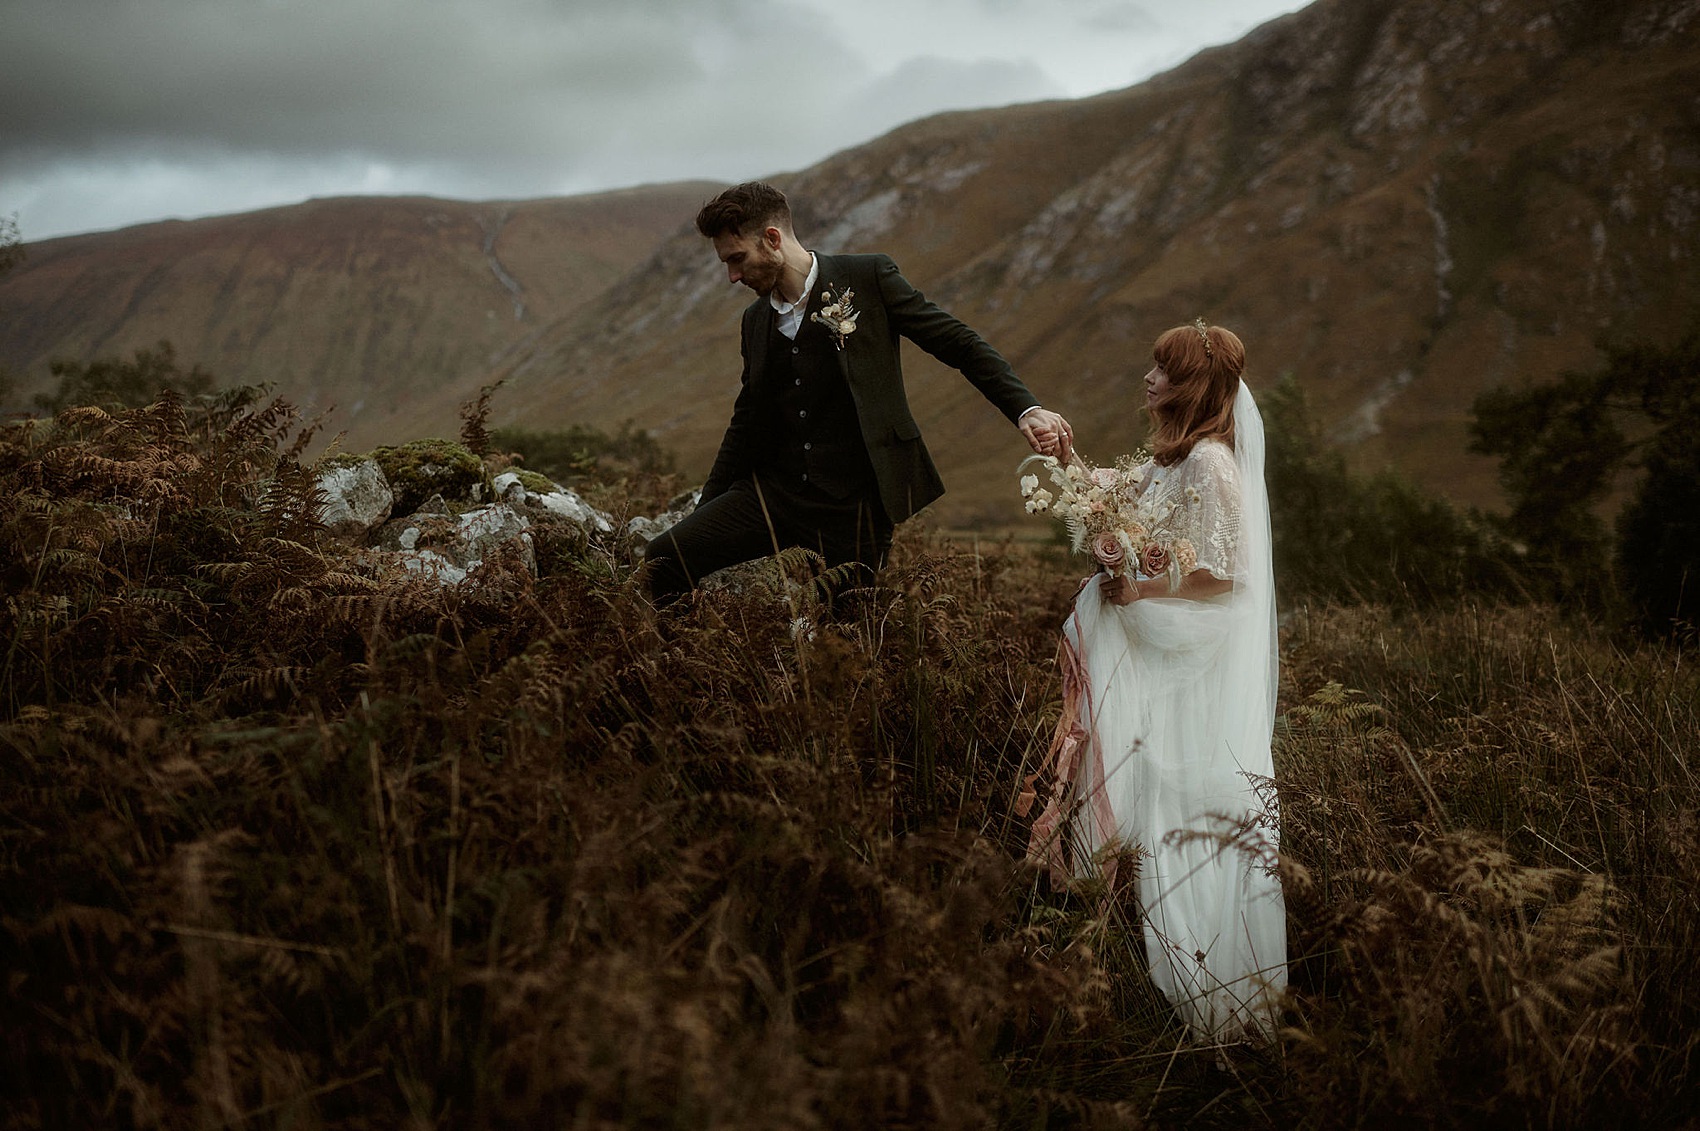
{"x":1169,"y":671}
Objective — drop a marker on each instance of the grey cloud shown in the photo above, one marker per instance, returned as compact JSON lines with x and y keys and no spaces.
{"x":227,"y":104}
{"x":946,"y":84}
{"x":1121,"y":18}
{"x":412,"y":81}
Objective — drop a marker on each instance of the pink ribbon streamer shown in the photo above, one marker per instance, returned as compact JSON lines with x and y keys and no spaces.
{"x":1070,"y":745}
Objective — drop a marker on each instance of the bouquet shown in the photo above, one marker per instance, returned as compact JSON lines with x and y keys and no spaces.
{"x":1107,"y":515}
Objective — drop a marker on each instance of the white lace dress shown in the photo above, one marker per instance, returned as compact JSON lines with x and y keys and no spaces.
{"x":1165,"y":749}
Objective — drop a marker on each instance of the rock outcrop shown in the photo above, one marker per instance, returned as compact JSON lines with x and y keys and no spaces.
{"x":528,"y":489}
{"x":448,"y":534}
{"x":357,"y":496}
{"x":643,"y":529}
{"x":448,"y":547}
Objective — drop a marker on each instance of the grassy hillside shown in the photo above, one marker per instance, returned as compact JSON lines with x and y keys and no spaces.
{"x":371,"y":304}
{"x":289,"y":840}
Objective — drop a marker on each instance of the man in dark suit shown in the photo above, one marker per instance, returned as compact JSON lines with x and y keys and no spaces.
{"x":822,"y":450}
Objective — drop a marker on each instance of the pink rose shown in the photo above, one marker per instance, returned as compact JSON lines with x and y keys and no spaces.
{"x":1109,"y":551}
{"x":1104,"y":477}
{"x":1154,"y":559}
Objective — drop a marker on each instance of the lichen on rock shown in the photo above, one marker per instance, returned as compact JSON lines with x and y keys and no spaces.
{"x":447,"y":548}
{"x":541,"y":495}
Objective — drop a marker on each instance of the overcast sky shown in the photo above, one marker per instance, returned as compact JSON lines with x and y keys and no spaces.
{"x":113,"y":112}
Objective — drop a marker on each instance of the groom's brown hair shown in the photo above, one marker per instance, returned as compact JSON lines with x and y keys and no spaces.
{"x":745,"y":209}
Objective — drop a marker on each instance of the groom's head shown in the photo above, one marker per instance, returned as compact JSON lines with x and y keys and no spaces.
{"x":745,"y":210}
{"x":750,"y":225}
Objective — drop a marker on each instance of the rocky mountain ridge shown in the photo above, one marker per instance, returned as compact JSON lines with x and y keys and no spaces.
{"x":1399,"y":202}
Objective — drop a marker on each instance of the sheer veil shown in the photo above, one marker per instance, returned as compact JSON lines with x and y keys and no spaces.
{"x":1226,"y":903}
{"x":1255,"y":649}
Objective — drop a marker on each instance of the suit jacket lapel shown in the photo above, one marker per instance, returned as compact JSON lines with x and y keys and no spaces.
{"x":760,"y":323}
{"x":831,"y":278}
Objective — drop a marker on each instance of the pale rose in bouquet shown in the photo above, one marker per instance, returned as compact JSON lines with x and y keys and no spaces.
{"x":1110,"y":548}
{"x":1106,"y":516}
{"x":1154,"y":559}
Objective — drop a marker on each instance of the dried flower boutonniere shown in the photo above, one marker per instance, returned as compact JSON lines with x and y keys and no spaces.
{"x":837,"y":315}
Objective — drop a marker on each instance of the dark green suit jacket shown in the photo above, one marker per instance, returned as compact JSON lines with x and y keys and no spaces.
{"x":889,"y":309}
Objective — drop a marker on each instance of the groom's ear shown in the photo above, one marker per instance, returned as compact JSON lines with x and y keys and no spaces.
{"x":773,"y":237}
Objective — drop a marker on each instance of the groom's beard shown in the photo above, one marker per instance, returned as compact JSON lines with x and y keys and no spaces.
{"x":766,"y":277}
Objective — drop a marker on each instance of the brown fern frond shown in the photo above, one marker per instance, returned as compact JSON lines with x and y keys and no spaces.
{"x":474,"y":416}
{"x":344,"y":583}
{"x":84,"y":416}
{"x":270,"y":423}
{"x":290,"y":505}
{"x":167,"y":416}
{"x":227,"y":574}
{"x":59,"y":565}
{"x":304,"y":437}
{"x":290,"y":555}
{"x":101,"y":473}
{"x":350,"y":608}
{"x":270,"y":684}
{"x":295,"y":599}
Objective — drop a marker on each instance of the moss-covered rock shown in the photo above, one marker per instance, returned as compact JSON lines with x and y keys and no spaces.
{"x":535,"y":483}
{"x":419,"y":469}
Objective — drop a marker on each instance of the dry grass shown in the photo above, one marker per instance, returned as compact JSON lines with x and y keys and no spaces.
{"x":290,"y":842}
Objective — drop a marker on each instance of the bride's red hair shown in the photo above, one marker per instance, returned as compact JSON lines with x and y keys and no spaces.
{"x":1203,"y":365}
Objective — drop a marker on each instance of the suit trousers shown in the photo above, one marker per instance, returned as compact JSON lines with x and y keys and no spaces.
{"x":755,"y":518}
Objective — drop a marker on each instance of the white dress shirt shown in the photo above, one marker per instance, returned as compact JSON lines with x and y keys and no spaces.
{"x":791,"y":313}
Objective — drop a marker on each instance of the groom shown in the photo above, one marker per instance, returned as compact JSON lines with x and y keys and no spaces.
{"x":822,"y":450}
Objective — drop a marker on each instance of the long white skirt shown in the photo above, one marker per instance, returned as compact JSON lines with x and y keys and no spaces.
{"x":1165,"y":748}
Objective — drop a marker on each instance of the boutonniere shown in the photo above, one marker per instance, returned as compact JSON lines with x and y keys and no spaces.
{"x":837,"y":315}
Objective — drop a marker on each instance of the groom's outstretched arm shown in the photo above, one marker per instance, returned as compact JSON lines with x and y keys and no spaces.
{"x":955,"y":343}
{"x":951,"y":340}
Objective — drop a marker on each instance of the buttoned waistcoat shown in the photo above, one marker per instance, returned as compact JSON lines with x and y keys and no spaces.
{"x":889,"y":309}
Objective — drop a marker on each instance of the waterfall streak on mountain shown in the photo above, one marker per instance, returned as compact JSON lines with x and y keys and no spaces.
{"x":491,"y":231}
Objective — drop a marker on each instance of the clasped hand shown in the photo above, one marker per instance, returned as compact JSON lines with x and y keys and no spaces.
{"x":1048,"y":434}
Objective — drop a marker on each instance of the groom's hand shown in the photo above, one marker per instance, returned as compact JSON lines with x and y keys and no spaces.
{"x":1048,"y":434}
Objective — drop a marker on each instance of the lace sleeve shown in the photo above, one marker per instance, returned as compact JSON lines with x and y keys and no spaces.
{"x":1211,"y":519}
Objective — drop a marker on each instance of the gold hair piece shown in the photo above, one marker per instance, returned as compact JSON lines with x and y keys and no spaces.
{"x":1204,"y":336}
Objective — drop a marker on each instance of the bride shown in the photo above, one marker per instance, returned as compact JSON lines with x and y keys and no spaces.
{"x":1169,"y":700}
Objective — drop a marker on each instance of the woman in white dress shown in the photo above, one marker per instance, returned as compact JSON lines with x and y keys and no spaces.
{"x":1169,"y":689}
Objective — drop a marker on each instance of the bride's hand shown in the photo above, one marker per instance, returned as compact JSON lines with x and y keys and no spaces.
{"x":1119,"y":590}
{"x":1048,"y":434}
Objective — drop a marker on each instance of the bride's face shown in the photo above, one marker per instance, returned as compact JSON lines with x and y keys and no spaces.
{"x":1156,"y":384}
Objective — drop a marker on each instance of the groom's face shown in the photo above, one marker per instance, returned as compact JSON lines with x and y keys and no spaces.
{"x":753,"y":260}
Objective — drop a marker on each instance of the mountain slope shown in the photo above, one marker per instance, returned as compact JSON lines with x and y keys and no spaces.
{"x":365,"y":302}
{"x":1399,"y":201}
